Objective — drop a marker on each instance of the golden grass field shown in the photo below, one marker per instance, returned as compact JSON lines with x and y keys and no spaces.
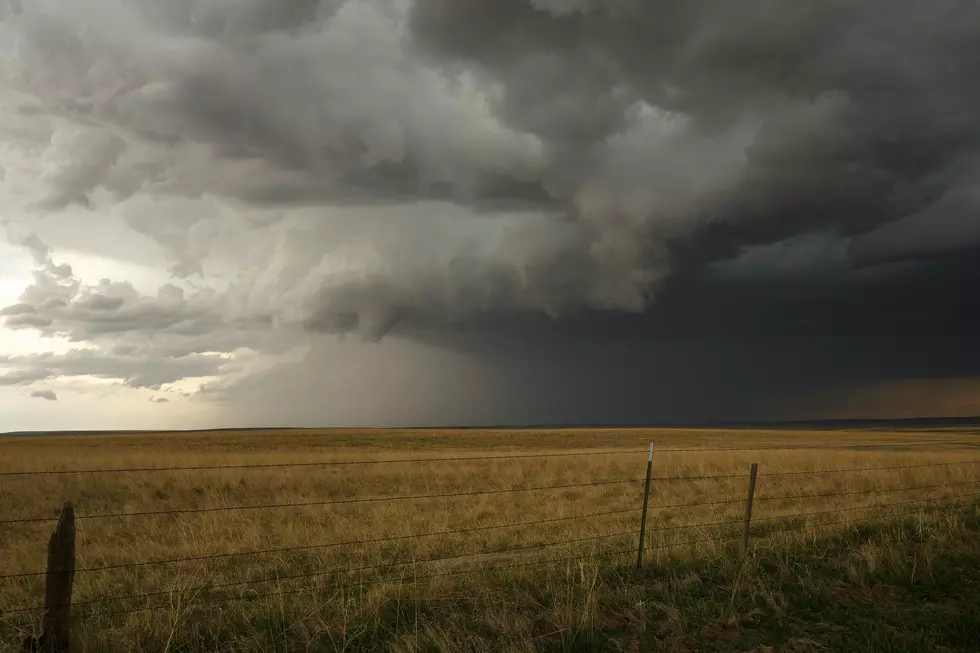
{"x":559,"y":597}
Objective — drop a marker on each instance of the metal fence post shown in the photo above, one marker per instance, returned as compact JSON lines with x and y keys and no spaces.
{"x":646,"y":502}
{"x":748,"y":509}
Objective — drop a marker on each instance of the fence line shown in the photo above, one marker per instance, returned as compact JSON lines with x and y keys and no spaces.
{"x":322,"y":463}
{"x":871,"y":469}
{"x":451,"y":572}
{"x":304,"y":590}
{"x":715,"y":477}
{"x":308,"y":547}
{"x":865,"y":518}
{"x":696,"y":504}
{"x":789,"y":523}
{"x":392,"y":461}
{"x":326,"y":502}
{"x":871,"y":491}
{"x":871,"y":507}
{"x":339,"y":570}
{"x":310,"y":590}
{"x":325,"y":545}
{"x":483,"y":568}
{"x":456,"y":572}
{"x":819,"y":447}
{"x":366,"y":583}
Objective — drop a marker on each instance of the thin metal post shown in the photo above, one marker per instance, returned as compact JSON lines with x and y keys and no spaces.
{"x":643,"y":518}
{"x":748,"y":508}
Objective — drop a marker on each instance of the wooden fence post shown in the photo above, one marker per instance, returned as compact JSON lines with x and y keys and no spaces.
{"x":748,"y":509}
{"x":55,"y":624}
{"x":643,"y":517}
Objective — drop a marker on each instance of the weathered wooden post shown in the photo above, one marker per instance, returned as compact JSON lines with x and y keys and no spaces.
{"x":748,"y":509}
{"x":56,"y":621}
{"x":643,"y":517}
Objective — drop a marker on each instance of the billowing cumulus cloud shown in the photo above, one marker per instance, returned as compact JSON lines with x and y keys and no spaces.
{"x":140,"y":341}
{"x":820,"y":255}
{"x":134,"y":371}
{"x":23,"y":376}
{"x":59,"y":304}
{"x":621,"y":127}
{"x":433,"y":169}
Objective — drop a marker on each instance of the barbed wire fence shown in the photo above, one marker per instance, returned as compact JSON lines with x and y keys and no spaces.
{"x":61,"y":570}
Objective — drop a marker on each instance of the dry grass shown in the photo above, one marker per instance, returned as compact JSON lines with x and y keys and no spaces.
{"x":560,"y":601}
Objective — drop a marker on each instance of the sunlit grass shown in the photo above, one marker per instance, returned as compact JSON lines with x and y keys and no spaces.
{"x":388,"y":595}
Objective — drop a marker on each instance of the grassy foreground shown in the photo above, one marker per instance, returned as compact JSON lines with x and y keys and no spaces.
{"x":885,"y":560}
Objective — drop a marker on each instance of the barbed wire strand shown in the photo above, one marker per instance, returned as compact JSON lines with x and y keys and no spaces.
{"x":340,"y":570}
{"x":859,"y":446}
{"x":338,"y":587}
{"x":456,"y":572}
{"x":941,"y":509}
{"x":321,"y":463}
{"x":430,"y":576}
{"x":716,"y":477}
{"x":381,"y":581}
{"x":515,"y":549}
{"x":849,"y":470}
{"x":391,"y":461}
{"x":324,"y":502}
{"x":325,"y":545}
{"x":871,"y":491}
{"x":871,"y":507}
{"x":697,"y":503}
{"x":412,"y":536}
{"x":803,"y":496}
{"x":481,"y":568}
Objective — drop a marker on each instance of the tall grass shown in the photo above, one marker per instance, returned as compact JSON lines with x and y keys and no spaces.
{"x":445,"y":592}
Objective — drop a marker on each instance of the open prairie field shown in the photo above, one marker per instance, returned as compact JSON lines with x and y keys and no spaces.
{"x":366,"y":540}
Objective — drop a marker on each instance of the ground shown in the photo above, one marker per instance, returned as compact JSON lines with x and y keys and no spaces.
{"x":860,"y":540}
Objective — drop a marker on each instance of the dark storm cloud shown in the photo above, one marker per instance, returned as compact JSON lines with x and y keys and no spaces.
{"x":495,"y":377}
{"x":677,"y":134}
{"x":863,"y":110}
{"x":77,"y":179}
{"x":45,"y":394}
{"x":864,"y":146}
{"x":221,"y":18}
{"x":658,"y":136}
{"x":561,"y":175}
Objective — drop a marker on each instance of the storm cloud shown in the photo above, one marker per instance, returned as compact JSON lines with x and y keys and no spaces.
{"x":478,"y":177}
{"x":625,"y":125}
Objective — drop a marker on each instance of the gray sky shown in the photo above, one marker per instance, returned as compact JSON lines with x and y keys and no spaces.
{"x":248,"y":212}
